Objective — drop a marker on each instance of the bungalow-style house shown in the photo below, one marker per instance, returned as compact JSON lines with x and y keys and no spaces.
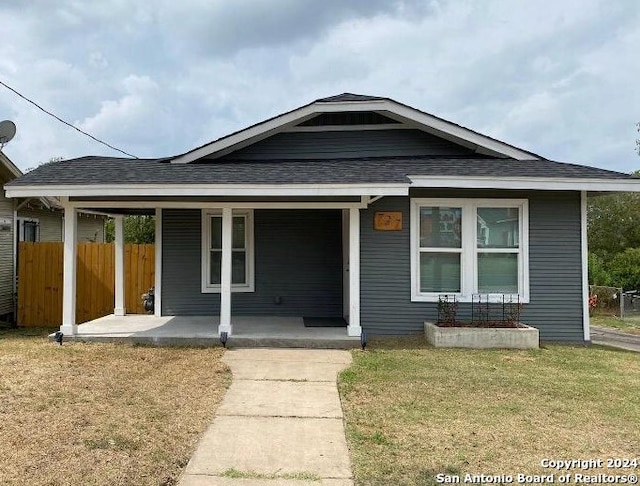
{"x":32,"y":219}
{"x":350,"y":206}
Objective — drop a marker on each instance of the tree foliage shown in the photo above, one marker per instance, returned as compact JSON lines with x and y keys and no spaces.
{"x":598,"y":272}
{"x":614,"y":238}
{"x":625,"y":269}
{"x":137,"y":229}
{"x":614,"y":223}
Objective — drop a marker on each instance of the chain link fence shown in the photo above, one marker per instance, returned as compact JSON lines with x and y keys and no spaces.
{"x":631,"y":303}
{"x":612,"y":301}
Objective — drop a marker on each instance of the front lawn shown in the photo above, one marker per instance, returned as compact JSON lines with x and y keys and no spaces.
{"x":102,"y":414}
{"x":629,"y":325}
{"x":413,"y":411}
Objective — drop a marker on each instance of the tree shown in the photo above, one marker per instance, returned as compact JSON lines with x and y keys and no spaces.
{"x":598,"y":273}
{"x":614,"y":223}
{"x":625,"y":269}
{"x":614,"y":238}
{"x":137,"y":229}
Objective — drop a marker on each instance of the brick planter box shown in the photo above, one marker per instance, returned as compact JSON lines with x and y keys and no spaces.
{"x":524,"y":337}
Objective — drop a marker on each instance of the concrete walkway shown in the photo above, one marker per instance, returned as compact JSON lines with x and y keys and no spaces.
{"x":280,"y":423}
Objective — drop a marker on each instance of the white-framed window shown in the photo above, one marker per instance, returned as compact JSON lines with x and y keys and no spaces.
{"x":463,"y":247}
{"x":28,"y":229}
{"x":242,"y":251}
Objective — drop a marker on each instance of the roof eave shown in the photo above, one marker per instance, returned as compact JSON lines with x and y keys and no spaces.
{"x":528,"y":183}
{"x":16,"y":172}
{"x":188,"y":190}
{"x":6,"y":161}
{"x":355,"y":189}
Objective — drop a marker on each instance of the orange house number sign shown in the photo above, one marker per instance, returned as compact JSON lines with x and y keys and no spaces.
{"x":387,"y":221}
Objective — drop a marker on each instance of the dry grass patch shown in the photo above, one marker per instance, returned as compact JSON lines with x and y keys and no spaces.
{"x":414,"y":411}
{"x":95,"y":414}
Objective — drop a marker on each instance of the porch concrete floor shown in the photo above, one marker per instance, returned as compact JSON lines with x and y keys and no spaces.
{"x":248,"y":331}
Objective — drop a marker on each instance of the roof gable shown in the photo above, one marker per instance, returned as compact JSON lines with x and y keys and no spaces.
{"x":9,"y":170}
{"x":348,"y":119}
{"x":347,"y":144}
{"x":373,"y":112}
{"x":351,"y":97}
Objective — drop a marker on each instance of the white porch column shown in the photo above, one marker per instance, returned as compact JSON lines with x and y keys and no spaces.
{"x":225,"y":278}
{"x":69,"y":326}
{"x":157,"y":311}
{"x":585,"y":266}
{"x":354,"y":329}
{"x":119,"y":270}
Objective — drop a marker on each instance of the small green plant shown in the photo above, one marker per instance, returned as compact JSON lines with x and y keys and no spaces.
{"x":234,"y":473}
{"x":379,"y":438}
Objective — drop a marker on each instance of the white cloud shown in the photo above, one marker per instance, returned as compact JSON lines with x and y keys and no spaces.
{"x":158,"y":78}
{"x":97,"y":60}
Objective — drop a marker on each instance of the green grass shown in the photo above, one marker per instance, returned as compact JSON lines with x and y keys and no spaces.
{"x":300,"y":476}
{"x":413,"y":411}
{"x":629,"y":325}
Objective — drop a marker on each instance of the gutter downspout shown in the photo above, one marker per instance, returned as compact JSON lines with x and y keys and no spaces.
{"x":586,"y":325}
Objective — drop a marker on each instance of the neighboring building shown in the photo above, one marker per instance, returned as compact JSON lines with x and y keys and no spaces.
{"x":351,"y":206}
{"x":32,"y":219}
{"x":36,"y":222}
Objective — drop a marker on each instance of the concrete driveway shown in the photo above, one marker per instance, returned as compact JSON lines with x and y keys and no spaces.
{"x":616,"y":339}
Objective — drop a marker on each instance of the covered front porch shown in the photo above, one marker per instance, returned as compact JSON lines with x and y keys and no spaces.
{"x":203,"y":331}
{"x":274,"y":259}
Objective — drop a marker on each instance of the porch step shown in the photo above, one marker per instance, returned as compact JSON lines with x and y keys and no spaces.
{"x":233,"y":342}
{"x":274,"y":342}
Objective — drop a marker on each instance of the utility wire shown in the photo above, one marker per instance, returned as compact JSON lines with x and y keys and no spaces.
{"x":66,"y":122}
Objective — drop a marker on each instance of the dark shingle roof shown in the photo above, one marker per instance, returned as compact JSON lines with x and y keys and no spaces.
{"x":114,"y":171}
{"x":350,"y":97}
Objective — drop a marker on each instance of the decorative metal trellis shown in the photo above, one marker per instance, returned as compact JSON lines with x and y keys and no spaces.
{"x":447,"y":310}
{"x":486,"y":310}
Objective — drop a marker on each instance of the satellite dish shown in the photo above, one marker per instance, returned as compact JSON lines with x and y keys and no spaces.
{"x":7,"y":131}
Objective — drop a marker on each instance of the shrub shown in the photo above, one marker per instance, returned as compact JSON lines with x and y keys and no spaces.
{"x":598,"y":273}
{"x":625,"y":269}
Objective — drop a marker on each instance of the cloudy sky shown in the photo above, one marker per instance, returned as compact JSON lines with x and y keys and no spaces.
{"x":156,"y":78}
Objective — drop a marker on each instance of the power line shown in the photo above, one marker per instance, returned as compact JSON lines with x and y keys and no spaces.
{"x":66,"y":122}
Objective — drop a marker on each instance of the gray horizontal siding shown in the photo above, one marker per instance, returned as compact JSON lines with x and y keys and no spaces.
{"x":6,"y":257}
{"x":90,"y":228}
{"x":555,"y":273}
{"x":298,"y":257}
{"x":555,"y":264}
{"x":49,"y":222}
{"x":349,"y":144}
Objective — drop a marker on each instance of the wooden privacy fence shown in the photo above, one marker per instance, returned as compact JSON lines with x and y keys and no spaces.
{"x":40,"y":282}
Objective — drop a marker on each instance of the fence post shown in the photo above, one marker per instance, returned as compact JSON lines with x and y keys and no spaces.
{"x":621,"y":304}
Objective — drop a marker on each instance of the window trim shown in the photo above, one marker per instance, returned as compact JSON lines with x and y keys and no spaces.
{"x":469,"y":248}
{"x":21,"y":223}
{"x":208,"y":288}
